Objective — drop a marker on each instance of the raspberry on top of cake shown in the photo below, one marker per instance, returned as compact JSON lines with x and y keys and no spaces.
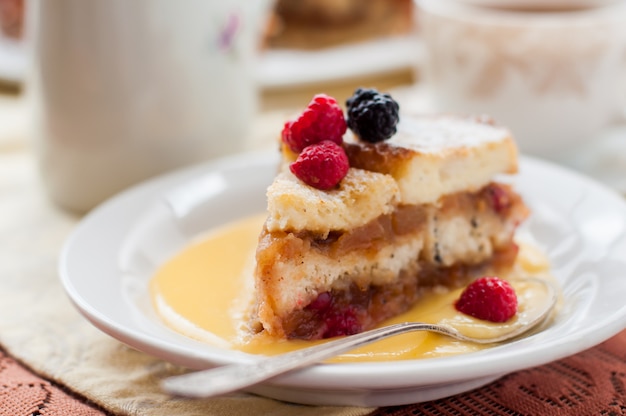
{"x":360,"y":222}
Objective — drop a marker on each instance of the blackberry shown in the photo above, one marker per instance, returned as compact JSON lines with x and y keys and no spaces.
{"x":372,"y":116}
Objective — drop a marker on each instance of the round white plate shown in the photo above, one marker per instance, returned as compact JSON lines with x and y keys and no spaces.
{"x":281,"y":68}
{"x":12,"y":61}
{"x":107,"y":263}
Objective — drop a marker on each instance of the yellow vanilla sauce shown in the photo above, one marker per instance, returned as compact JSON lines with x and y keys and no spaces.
{"x":204,"y":290}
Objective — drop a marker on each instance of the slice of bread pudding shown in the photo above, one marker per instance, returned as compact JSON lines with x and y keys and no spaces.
{"x":418,"y":210}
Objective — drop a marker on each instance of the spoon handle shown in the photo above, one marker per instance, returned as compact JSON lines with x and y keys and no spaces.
{"x":234,"y":377}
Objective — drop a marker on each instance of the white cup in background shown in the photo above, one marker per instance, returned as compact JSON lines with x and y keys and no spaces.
{"x":124,"y":90}
{"x":555,"y":78}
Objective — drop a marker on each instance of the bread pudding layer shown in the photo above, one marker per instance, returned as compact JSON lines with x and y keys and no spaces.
{"x":428,"y":158}
{"x":360,"y":197}
{"x":311,"y":286}
{"x":434,"y":156}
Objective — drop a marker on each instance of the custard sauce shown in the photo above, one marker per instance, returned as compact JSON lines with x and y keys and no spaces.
{"x":204,"y":290}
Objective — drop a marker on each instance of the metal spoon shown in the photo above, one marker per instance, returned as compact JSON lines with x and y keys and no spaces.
{"x":232,"y":377}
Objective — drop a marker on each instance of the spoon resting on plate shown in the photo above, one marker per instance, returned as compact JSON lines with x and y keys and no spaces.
{"x":233,"y":377}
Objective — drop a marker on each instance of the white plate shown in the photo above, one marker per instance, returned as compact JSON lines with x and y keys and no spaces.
{"x":106,"y":265}
{"x":291,"y":67}
{"x":12,"y":60}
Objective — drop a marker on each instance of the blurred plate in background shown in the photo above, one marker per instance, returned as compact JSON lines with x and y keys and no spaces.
{"x":540,"y":4}
{"x":290,"y":67}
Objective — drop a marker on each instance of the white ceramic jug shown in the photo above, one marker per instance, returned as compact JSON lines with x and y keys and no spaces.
{"x":124,"y":90}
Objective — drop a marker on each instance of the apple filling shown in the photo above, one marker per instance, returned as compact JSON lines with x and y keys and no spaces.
{"x":354,"y":309}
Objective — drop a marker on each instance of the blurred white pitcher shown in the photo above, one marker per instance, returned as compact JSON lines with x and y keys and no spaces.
{"x":123,"y":90}
{"x":555,"y":78}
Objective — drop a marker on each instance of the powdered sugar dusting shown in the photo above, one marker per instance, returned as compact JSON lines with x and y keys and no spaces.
{"x":439,"y":134}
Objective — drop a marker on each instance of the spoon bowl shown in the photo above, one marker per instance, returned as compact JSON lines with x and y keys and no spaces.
{"x":233,"y":377}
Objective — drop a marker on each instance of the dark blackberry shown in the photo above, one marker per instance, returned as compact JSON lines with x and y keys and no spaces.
{"x":372,"y":116}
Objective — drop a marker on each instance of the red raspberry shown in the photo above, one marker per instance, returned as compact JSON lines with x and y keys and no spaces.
{"x":322,"y":165}
{"x":340,"y":323}
{"x":500,"y":198}
{"x":488,"y":298}
{"x":322,"y":120}
{"x":322,"y":302}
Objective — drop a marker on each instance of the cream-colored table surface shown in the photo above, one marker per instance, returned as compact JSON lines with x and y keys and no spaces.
{"x":40,"y":327}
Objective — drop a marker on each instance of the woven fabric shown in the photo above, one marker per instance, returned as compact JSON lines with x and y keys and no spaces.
{"x":22,"y":393}
{"x":589,"y":383}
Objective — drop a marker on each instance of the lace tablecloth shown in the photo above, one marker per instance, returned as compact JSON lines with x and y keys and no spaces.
{"x":53,"y":362}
